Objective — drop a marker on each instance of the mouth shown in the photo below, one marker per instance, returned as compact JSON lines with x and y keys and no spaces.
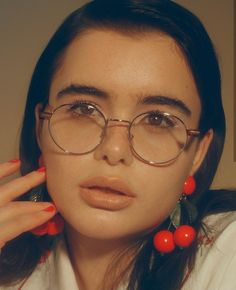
{"x":108,"y":184}
{"x":106,"y":190}
{"x":108,"y":193}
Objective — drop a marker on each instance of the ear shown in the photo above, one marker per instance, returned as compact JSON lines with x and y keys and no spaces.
{"x":201,"y":151}
{"x":38,"y":123}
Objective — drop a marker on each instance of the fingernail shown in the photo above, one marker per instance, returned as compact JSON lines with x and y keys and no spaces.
{"x":42,"y":169}
{"x":50,"y":208}
{"x":14,"y":161}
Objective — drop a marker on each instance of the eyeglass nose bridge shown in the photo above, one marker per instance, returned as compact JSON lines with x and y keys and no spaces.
{"x":127,"y":124}
{"x":120,"y":121}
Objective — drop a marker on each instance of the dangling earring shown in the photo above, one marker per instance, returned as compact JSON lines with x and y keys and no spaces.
{"x":183,"y":236}
{"x":52,"y":227}
{"x":56,"y":224}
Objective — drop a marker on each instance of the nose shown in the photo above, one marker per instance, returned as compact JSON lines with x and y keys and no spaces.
{"x":115,"y":146}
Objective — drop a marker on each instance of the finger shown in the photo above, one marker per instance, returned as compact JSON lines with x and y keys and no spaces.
{"x":17,"y":208}
{"x":20,"y":185}
{"x":10,"y":167}
{"x":23,"y":223}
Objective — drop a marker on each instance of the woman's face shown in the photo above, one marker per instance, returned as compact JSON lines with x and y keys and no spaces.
{"x":127,"y":70}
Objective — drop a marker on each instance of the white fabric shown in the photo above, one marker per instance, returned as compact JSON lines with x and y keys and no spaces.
{"x":215,"y":267}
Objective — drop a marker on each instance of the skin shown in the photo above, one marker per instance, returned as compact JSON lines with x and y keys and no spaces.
{"x":127,"y":68}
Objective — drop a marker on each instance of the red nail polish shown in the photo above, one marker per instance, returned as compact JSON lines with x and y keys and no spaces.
{"x":42,"y":169}
{"x":50,"y":208}
{"x":14,"y":161}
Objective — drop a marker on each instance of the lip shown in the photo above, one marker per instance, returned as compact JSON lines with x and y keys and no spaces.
{"x":109,"y":193}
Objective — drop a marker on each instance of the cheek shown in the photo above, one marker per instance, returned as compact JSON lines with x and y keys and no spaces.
{"x":61,"y":172}
{"x":161,"y":193}
{"x":163,"y":186}
{"x":63,"y":176}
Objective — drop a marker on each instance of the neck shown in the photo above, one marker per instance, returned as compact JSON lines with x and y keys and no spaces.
{"x":91,"y":259}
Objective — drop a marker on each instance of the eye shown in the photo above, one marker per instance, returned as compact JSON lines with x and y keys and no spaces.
{"x":83,"y":109}
{"x":160,"y":120}
{"x":84,"y":112}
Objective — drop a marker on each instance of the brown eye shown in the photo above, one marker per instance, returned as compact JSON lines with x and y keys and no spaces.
{"x":160,"y":120}
{"x":154,"y":119}
{"x":82,"y":109}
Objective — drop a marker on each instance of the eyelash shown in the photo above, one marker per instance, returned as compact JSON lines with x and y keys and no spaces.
{"x":83,"y":101}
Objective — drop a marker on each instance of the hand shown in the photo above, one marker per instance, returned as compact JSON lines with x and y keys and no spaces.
{"x":17,"y":217}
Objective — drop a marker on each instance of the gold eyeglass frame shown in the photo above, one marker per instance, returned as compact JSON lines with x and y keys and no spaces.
{"x":189,"y":132}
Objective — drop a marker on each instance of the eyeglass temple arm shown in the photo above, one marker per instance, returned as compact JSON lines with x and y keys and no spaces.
{"x":45,"y":115}
{"x":193,"y":133}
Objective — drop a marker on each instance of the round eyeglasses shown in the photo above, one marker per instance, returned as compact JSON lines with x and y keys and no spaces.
{"x":155,"y":137}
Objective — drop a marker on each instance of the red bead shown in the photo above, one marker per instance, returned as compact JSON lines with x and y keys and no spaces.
{"x":184,"y":236}
{"x":164,"y":241}
{"x":55,"y":225}
{"x":40,"y":230}
{"x":189,"y":185}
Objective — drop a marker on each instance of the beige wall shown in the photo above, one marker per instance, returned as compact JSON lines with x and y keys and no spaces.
{"x":25,"y":27}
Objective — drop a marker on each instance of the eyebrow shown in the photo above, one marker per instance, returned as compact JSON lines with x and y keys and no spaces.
{"x":77,"y":89}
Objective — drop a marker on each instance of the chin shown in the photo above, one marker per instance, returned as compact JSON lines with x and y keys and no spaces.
{"x":100,"y":225}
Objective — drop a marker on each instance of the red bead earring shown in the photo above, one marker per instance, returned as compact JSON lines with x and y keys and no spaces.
{"x":189,"y":186}
{"x":52,"y":227}
{"x":183,"y":236}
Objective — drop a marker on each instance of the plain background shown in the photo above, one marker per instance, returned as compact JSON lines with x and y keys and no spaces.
{"x":27,"y":25}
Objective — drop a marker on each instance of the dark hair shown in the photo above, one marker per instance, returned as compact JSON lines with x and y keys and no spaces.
{"x":131,"y":17}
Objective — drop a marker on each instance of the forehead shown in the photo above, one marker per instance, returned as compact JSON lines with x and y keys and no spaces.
{"x":128,"y":68}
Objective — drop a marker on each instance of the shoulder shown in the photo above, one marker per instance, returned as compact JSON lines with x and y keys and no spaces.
{"x":216,"y":258}
{"x":217,"y":228}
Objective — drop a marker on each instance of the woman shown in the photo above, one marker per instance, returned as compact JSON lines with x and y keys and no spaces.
{"x":125,"y":122}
